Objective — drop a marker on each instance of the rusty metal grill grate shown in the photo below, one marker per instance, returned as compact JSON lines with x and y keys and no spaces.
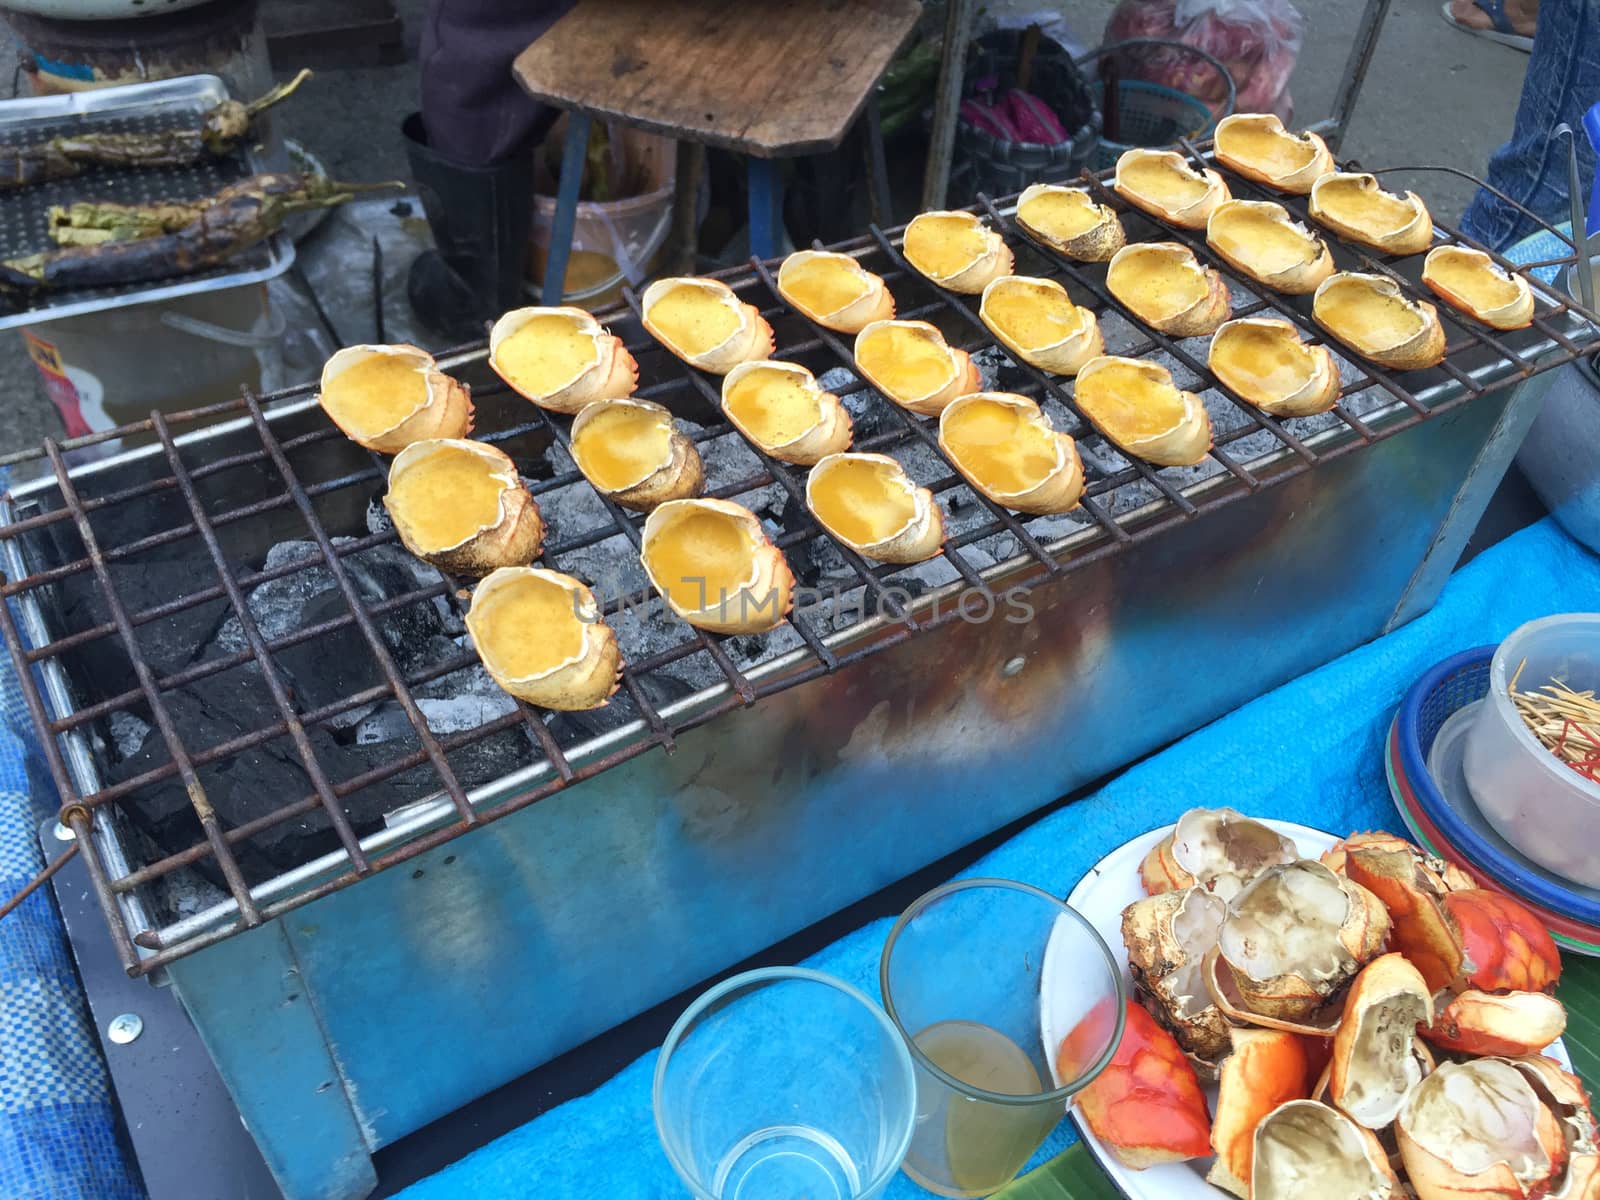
{"x":187,"y":494}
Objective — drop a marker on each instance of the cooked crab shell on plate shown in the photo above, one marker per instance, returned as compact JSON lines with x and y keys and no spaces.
{"x":834,"y":290}
{"x":1037,"y":321}
{"x":386,"y":397}
{"x":1135,"y":404}
{"x":868,"y":502}
{"x":540,"y":636}
{"x":461,"y":506}
{"x":704,"y":323}
{"x":1257,"y":146}
{"x":1165,"y":185}
{"x":560,"y":358}
{"x":1168,"y":288}
{"x":1071,"y":221}
{"x":1260,"y":239}
{"x":1265,"y":361}
{"x":1004,"y":446}
{"x":956,"y":250}
{"x":782,"y":409}
{"x":631,"y":451}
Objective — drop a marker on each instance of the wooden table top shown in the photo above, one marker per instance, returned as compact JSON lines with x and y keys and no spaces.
{"x":768,"y":79}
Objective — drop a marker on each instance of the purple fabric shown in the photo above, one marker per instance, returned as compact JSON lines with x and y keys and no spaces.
{"x":473,"y":109}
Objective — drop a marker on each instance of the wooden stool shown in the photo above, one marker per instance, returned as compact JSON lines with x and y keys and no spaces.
{"x":766,"y":81}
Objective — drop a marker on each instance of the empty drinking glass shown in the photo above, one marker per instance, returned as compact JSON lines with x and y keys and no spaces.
{"x":784,"y":1083}
{"x":986,"y":978}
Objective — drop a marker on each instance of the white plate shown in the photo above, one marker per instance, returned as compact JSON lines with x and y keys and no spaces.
{"x":1110,"y":886}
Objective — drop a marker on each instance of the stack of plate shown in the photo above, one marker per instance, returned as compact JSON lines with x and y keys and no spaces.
{"x":1429,"y":786}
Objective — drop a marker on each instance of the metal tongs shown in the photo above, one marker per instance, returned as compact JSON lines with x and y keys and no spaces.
{"x":1583,"y":231}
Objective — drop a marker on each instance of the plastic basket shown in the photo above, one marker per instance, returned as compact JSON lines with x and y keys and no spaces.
{"x":1152,"y":114}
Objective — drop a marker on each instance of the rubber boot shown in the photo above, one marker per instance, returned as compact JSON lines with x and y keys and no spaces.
{"x":481,"y":218}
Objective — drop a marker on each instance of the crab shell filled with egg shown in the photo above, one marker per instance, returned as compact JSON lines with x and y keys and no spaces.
{"x":1069,"y":220}
{"x":560,"y":358}
{"x":912,"y":364}
{"x":1260,"y":239}
{"x":1136,"y":404}
{"x":956,"y":250}
{"x":868,"y":502}
{"x":704,"y":323}
{"x":834,"y":290}
{"x":1264,"y":360}
{"x":540,"y":636}
{"x":1037,"y":321}
{"x":1168,"y":288}
{"x":782,"y":409}
{"x":715,"y":566}
{"x":1004,"y":446}
{"x":1257,"y":146}
{"x":1375,"y":318}
{"x":386,"y":397}
{"x":1356,"y":206}
{"x":631,"y":451}
{"x":1470,"y":281}
{"x":461,"y":506}
{"x":1165,"y":185}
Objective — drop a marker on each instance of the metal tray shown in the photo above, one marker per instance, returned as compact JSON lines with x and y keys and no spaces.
{"x":135,"y":107}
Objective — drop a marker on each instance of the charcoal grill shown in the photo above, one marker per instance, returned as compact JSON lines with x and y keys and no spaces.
{"x":898,"y":714}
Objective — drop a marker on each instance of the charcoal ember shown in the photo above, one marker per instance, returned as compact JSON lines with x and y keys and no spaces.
{"x":378,"y":518}
{"x":868,"y":411}
{"x":997,"y":371}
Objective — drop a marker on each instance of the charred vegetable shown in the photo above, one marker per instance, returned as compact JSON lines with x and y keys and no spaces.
{"x":236,"y":219}
{"x":219,"y":132}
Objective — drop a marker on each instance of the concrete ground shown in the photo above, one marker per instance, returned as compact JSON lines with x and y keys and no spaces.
{"x":1433,"y":95}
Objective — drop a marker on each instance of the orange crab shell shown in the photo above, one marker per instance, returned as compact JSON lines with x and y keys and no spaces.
{"x":1564,"y":1095}
{"x":1146,"y":1106}
{"x":1506,"y":946}
{"x":1397,"y":873}
{"x":1267,"y":1068}
{"x":1320,"y":1024}
{"x":1504,"y":1023}
{"x":1388,"y":980}
{"x":1160,"y":872}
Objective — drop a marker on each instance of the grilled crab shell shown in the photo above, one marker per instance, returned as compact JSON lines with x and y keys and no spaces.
{"x":1253,"y":355}
{"x":1218,"y":849}
{"x":1305,"y":1150}
{"x":686,"y":543}
{"x":511,"y":539}
{"x":979,"y":432}
{"x":1295,"y":935}
{"x":1563,"y":1095}
{"x":843,"y":487}
{"x":1478,"y":1130}
{"x":1119,"y":396}
{"x":1168,"y":288}
{"x":834,"y":290}
{"x":877,"y":359}
{"x":1356,"y":207}
{"x":956,"y":250}
{"x":1412,"y":888}
{"x":1163,"y":184}
{"x":1371,"y":315}
{"x":611,"y":371}
{"x":1504,"y":945}
{"x":743,"y":388}
{"x":1037,"y":322}
{"x":1266,"y":1068}
{"x":676,"y":473}
{"x":1470,"y":281}
{"x":1375,"y":1061}
{"x":1510,"y":1023}
{"x":1260,"y":239}
{"x":1257,"y":146}
{"x":582,"y":679}
{"x":444,"y":411}
{"x":1069,"y":220}
{"x":1167,"y":937}
{"x":749,"y":339}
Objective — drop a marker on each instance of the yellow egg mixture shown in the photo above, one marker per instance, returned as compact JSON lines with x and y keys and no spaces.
{"x":1158,"y":180}
{"x":1374,"y":210}
{"x":1368,"y":318}
{"x":546,"y":354}
{"x":774,"y":406}
{"x":694,"y":320}
{"x":1061,"y":215}
{"x":1263,"y":361}
{"x":944,"y":246}
{"x":1476,"y":281}
{"x":1255,"y":237}
{"x":700,"y":560}
{"x":528,"y":627}
{"x":377,"y":393}
{"x":1033,"y":317}
{"x":906,"y":363}
{"x":1128,"y":405}
{"x":1275,"y":153}
{"x":1000,"y":446}
{"x":623,"y":445}
{"x":862,"y":501}
{"x":1155,"y":286}
{"x":446,"y":497}
{"x":823,"y":285}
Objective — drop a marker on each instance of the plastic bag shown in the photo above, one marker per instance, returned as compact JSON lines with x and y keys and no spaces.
{"x":1257,"y":40}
